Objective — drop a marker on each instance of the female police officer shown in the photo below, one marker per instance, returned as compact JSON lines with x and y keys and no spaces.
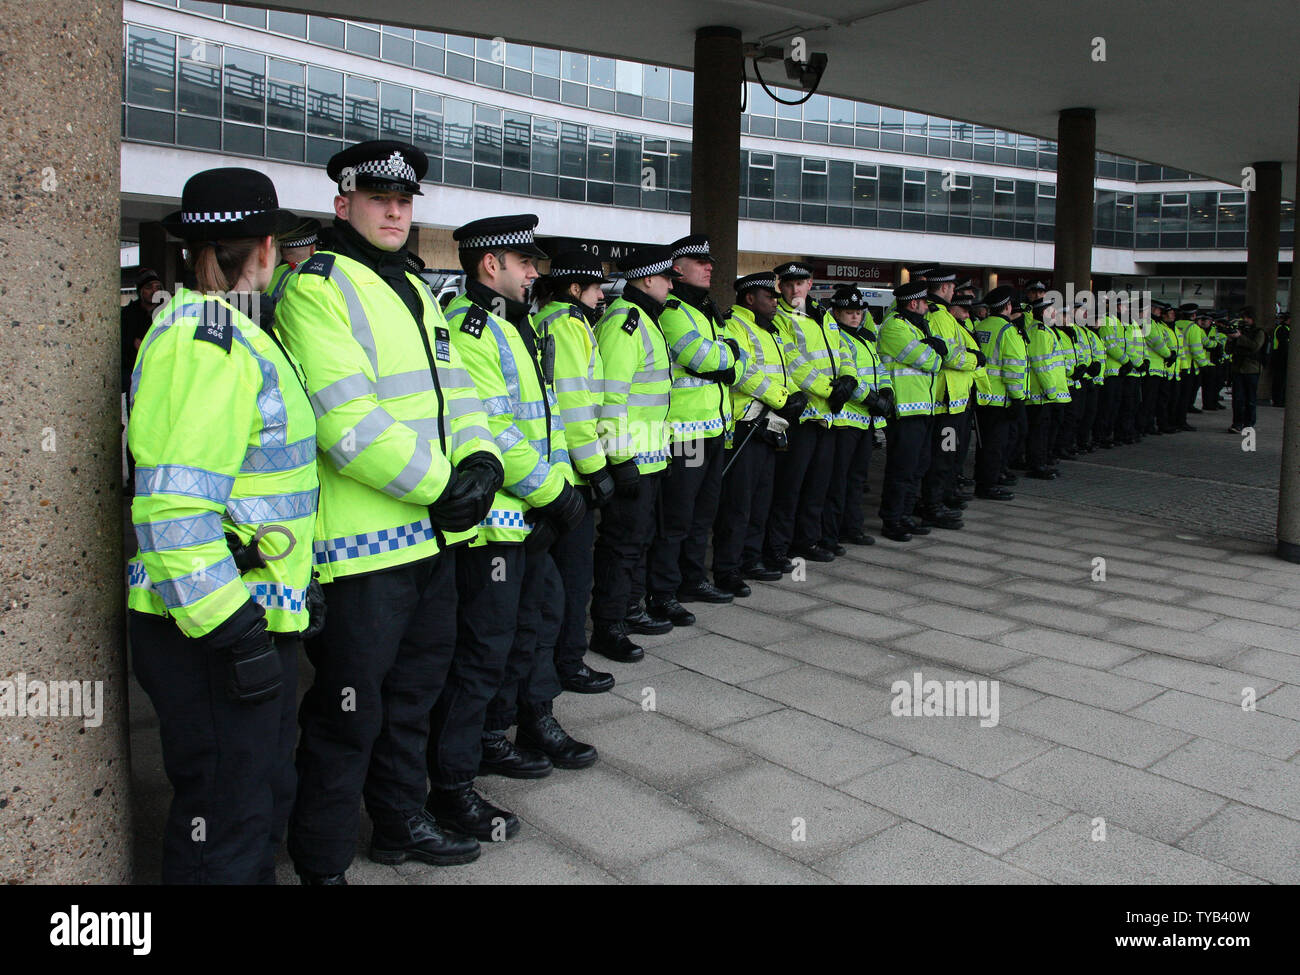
{"x":225,"y":500}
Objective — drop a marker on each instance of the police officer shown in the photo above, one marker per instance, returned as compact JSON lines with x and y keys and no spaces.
{"x":225,"y":500}
{"x":567,"y":298}
{"x":705,"y":363}
{"x":633,"y":424}
{"x":1004,"y":353}
{"x":913,"y":358}
{"x":1041,"y":393}
{"x":952,"y":391}
{"x":497,"y":676}
{"x":408,"y":468}
{"x":803,"y":472}
{"x":762,"y":391}
{"x":961,"y":310}
{"x":867,"y":407}
{"x":295,"y":247}
{"x":1158,"y":350}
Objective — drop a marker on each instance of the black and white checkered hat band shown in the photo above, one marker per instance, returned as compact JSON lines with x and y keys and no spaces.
{"x":794,"y":271}
{"x":648,"y":270}
{"x":394,"y":167}
{"x":686,"y":250}
{"x":769,"y":283}
{"x":574,"y":272}
{"x":852,"y":303}
{"x":497,"y":240}
{"x":941,"y":278}
{"x":300,"y":241}
{"x":228,"y":216}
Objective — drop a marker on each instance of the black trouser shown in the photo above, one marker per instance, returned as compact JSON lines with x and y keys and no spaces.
{"x":529,"y":681}
{"x":623,"y":533}
{"x":1148,"y":408}
{"x":1211,"y":384}
{"x":746,"y":499}
{"x":380,"y":665}
{"x":803,"y":475}
{"x":489,"y":582}
{"x":1017,"y":432}
{"x":906,"y":459}
{"x":1036,"y":455}
{"x":230,"y":764}
{"x":946,"y":435}
{"x":966,"y":433}
{"x":1063,"y":435}
{"x":995,"y":424}
{"x":1279,"y":373}
{"x":1173,"y":398}
{"x":688,"y":500}
{"x":1245,"y":389}
{"x":1130,"y":397}
{"x":843,"y":514}
{"x":1088,"y":417}
{"x":1103,"y":429}
{"x":573,"y":557}
{"x":1191,"y":387}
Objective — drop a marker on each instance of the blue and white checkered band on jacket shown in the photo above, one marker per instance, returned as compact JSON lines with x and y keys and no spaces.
{"x":492,"y":241}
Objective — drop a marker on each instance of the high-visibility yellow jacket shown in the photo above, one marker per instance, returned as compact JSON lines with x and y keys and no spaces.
{"x":700,"y":407}
{"x":579,"y":381}
{"x":1004,"y":350}
{"x":1043,"y":373}
{"x":812,"y":338}
{"x":638,"y":380}
{"x":953,"y":384}
{"x":522,"y":414}
{"x":912,"y":365}
{"x":225,"y":442}
{"x":395,"y":410}
{"x":860,"y":344}
{"x":1160,"y":345}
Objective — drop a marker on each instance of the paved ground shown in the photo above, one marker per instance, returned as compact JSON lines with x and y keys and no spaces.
{"x":759,"y":745}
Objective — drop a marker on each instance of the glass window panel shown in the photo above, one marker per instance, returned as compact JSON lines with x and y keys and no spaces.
{"x":151,"y":67}
{"x":981,"y":197}
{"x":1026,"y":192}
{"x":324,"y":102}
{"x":520,"y":82}
{"x":600,"y":72}
{"x":395,"y":112}
{"x":513,"y":181}
{"x":840,"y":183}
{"x":198,"y":88}
{"x":868,"y":114}
{"x":546,"y":62}
{"x":546,"y":147}
{"x":327,"y":31}
{"x":600,"y":192}
{"x":627,"y":77}
{"x":243,"y":140}
{"x":460,"y":44}
{"x":457,"y":173}
{"x":286,"y":94}
{"x":655,"y":82}
{"x":841,"y":135}
{"x":295,"y":25}
{"x":816,"y":109}
{"x":761,"y":125}
{"x":891,"y":120}
{"x":815,"y":132}
{"x":788,"y":129}
{"x":487,"y":135}
{"x":573,"y":67}
{"x":457,"y":128}
{"x":601,"y":99}
{"x":487,"y":178}
{"x":762,"y":181}
{"x":488,"y":74}
{"x":427,"y":123}
{"x":460,"y":67}
{"x":361,"y":114}
{"x":789,"y":177}
{"x":518,"y":140}
{"x":1202,"y":209}
{"x":201,"y":133}
{"x":814,"y":188}
{"x":284,"y":145}
{"x":430,"y":37}
{"x":866,"y":138}
{"x":628,"y":104}
{"x":519,"y":56}
{"x":683,"y":86}
{"x":654,"y":108}
{"x":249,"y":16}
{"x":914,"y":123}
{"x":548,"y":88}
{"x":600,"y":155}
{"x":573,"y":189}
{"x":793,"y":112}
{"x":573,"y":151}
{"x":319,"y":151}
{"x":245,"y":86}
{"x":759,"y":101}
{"x":399,"y":50}
{"x":429,"y":58}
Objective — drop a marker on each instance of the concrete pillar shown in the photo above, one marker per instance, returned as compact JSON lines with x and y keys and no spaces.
{"x":64,"y":809}
{"x":902,"y":275}
{"x":715,"y":152}
{"x":1076,"y":165}
{"x":1288,"y":500}
{"x":989,"y":281}
{"x":159,"y":252}
{"x":1263,"y":241}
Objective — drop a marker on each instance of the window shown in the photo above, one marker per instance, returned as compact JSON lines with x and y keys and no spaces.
{"x":286,"y":95}
{"x":518,"y":140}
{"x":395,"y":112}
{"x":361,"y":113}
{"x":426,"y":123}
{"x":245,"y":87}
{"x":457,"y":128}
{"x":327,"y":31}
{"x":762,"y":178}
{"x":198,"y":89}
{"x":600,"y":155}
{"x":151,"y":66}
{"x":324,"y":102}
{"x":363,"y":40}
{"x":573,"y":150}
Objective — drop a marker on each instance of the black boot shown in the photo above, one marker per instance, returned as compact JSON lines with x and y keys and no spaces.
{"x":540,"y":730}
{"x":760,"y":572}
{"x":703,"y":592}
{"x":421,"y":838}
{"x":639,"y":621}
{"x":502,"y":757}
{"x":896,"y":531}
{"x":733,"y":584}
{"x":465,"y":811}
{"x":610,"y":640}
{"x":584,"y":680}
{"x":323,"y":879}
{"x":666,"y":608}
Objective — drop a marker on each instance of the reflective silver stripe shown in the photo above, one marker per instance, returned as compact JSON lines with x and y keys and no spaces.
{"x":342,"y":391}
{"x":409,"y":478}
{"x":578,"y":414}
{"x":531,"y":481}
{"x":546,"y":322}
{"x":688,"y":381}
{"x":157,"y":536}
{"x":648,"y":399}
{"x":429,"y":427}
{"x":585,"y":451}
{"x":909,"y":371}
{"x":649,"y":376}
{"x":404,"y":384}
{"x":455,"y":377}
{"x":460,"y":437}
{"x":190,"y":588}
{"x":191,"y":482}
{"x":262,"y":460}
{"x":272,"y":507}
{"x":370,"y":427}
{"x":509,"y":438}
{"x":356,"y":316}
{"x":463,"y":405}
{"x":617,"y":387}
{"x":579,"y":384}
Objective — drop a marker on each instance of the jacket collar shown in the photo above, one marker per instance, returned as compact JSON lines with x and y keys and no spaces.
{"x":643,"y":301}
{"x":515,"y":312}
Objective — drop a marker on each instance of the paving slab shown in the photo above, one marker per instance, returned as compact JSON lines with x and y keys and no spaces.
{"x":873,"y":627}
{"x":811,"y":746}
{"x":1247,"y":609}
{"x":1268,"y":663}
{"x":530,"y":857}
{"x":1085,"y":684}
{"x":977,"y":655}
{"x":1010,"y":696}
{"x":1249,"y":777}
{"x":1284,"y":701}
{"x":911,"y":854}
{"x":1207,"y":680}
{"x":744,"y":624}
{"x":1255,"y":729}
{"x":1133,"y":798}
{"x":1280,"y":638}
{"x":1068,"y":854}
{"x":729,"y":858}
{"x":1259,"y":843}
{"x":1054,"y":592}
{"x":1098,"y":731}
{"x":694,"y":699}
{"x":724,"y":659}
{"x":842,"y":654}
{"x":986,"y":815}
{"x":862,"y":595}
{"x":1202,"y":646}
{"x":968,"y":596}
{"x":1161,"y":614}
{"x":824,"y":693}
{"x":961,"y":742}
{"x":1070,"y":647}
{"x":665,"y":753}
{"x":793,"y":815}
{"x":956,"y":619}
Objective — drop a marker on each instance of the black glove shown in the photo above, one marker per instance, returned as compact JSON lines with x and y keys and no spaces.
{"x":625,"y":477}
{"x":1125,"y":368}
{"x":887,"y":396}
{"x":794,"y":406}
{"x":1078,"y":372}
{"x":315,"y":609}
{"x":877,"y":404}
{"x":938,"y":344}
{"x":467,"y":498}
{"x":1143,"y":369}
{"x":243,"y":641}
{"x":601,"y":484}
{"x":544,"y":534}
{"x":1094,"y":369}
{"x":727,"y":375}
{"x":841,"y":390}
{"x":734,"y":346}
{"x":1170,"y":360}
{"x":981,"y":359}
{"x":567,"y":510}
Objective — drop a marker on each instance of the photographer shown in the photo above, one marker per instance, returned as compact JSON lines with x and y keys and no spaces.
{"x":1247,"y":342}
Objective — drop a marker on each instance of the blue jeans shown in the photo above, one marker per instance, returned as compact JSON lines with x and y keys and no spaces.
{"x":1244,"y":388}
